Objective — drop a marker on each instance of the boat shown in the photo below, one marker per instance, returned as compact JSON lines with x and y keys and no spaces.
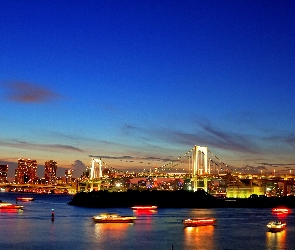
{"x":276,"y":226}
{"x":113,"y":218}
{"x":280,"y":211}
{"x":24,"y":199}
{"x":7,"y":205}
{"x":144,"y":207}
{"x":199,"y":222}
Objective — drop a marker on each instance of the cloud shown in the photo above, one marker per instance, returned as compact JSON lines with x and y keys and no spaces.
{"x":131,"y":158}
{"x":25,"y":92}
{"x":204,"y":135}
{"x":79,"y":167}
{"x":290,"y":140}
{"x":35,"y":146}
{"x":230,"y":140}
{"x":286,"y":165}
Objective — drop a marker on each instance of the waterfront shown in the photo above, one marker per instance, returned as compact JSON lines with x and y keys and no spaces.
{"x":73,"y":228}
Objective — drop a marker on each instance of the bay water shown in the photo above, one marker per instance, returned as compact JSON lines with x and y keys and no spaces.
{"x":73,"y":228}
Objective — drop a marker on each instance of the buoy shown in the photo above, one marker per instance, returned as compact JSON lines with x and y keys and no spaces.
{"x":52,"y":215}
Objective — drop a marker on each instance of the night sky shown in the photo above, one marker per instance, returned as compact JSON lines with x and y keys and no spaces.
{"x":145,"y":81}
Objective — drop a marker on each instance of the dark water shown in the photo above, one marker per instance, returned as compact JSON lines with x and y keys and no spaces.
{"x":73,"y":228}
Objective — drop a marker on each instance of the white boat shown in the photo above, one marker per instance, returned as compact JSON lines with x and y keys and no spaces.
{"x":113,"y":218}
{"x":276,"y":226}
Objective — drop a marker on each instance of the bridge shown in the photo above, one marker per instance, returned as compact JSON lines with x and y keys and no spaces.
{"x":198,"y":167}
{"x":201,"y":166}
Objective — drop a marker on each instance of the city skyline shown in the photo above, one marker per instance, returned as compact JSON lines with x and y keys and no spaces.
{"x":141,"y":82}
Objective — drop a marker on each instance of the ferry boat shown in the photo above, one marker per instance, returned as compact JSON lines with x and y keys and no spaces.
{"x":199,"y":222}
{"x":144,"y":207}
{"x":276,"y":226}
{"x":7,"y":205}
{"x":24,"y":199}
{"x":280,"y":211}
{"x":113,"y":218}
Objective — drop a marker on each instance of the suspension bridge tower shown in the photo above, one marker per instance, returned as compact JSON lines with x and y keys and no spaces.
{"x":200,"y":168}
{"x":95,"y":174}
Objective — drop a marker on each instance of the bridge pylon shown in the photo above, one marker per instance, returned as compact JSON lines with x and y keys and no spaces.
{"x":95,"y":171}
{"x":200,"y":182}
{"x":200,"y":168}
{"x":95,"y":175}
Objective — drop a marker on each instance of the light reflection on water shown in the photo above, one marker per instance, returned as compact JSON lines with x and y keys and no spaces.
{"x":73,"y":228}
{"x":114,"y":232}
{"x":199,"y":237}
{"x":276,"y":240}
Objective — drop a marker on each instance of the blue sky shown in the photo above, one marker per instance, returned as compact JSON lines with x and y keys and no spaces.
{"x":147,"y":79}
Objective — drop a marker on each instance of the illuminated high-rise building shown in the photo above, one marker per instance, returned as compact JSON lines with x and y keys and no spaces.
{"x":26,"y":171}
{"x":3,"y":173}
{"x":50,"y":171}
{"x":68,"y":175}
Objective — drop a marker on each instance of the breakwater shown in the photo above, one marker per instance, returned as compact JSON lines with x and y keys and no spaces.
{"x":173,"y":199}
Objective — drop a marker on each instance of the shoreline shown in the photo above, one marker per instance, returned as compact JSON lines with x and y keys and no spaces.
{"x":174,"y":199}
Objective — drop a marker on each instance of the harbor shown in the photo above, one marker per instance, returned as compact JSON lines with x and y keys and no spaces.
{"x":73,"y":227}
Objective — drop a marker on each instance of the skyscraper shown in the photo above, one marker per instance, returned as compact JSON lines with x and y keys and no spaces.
{"x":26,"y":171}
{"x":3,"y":173}
{"x":50,"y":171}
{"x":68,"y":175}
